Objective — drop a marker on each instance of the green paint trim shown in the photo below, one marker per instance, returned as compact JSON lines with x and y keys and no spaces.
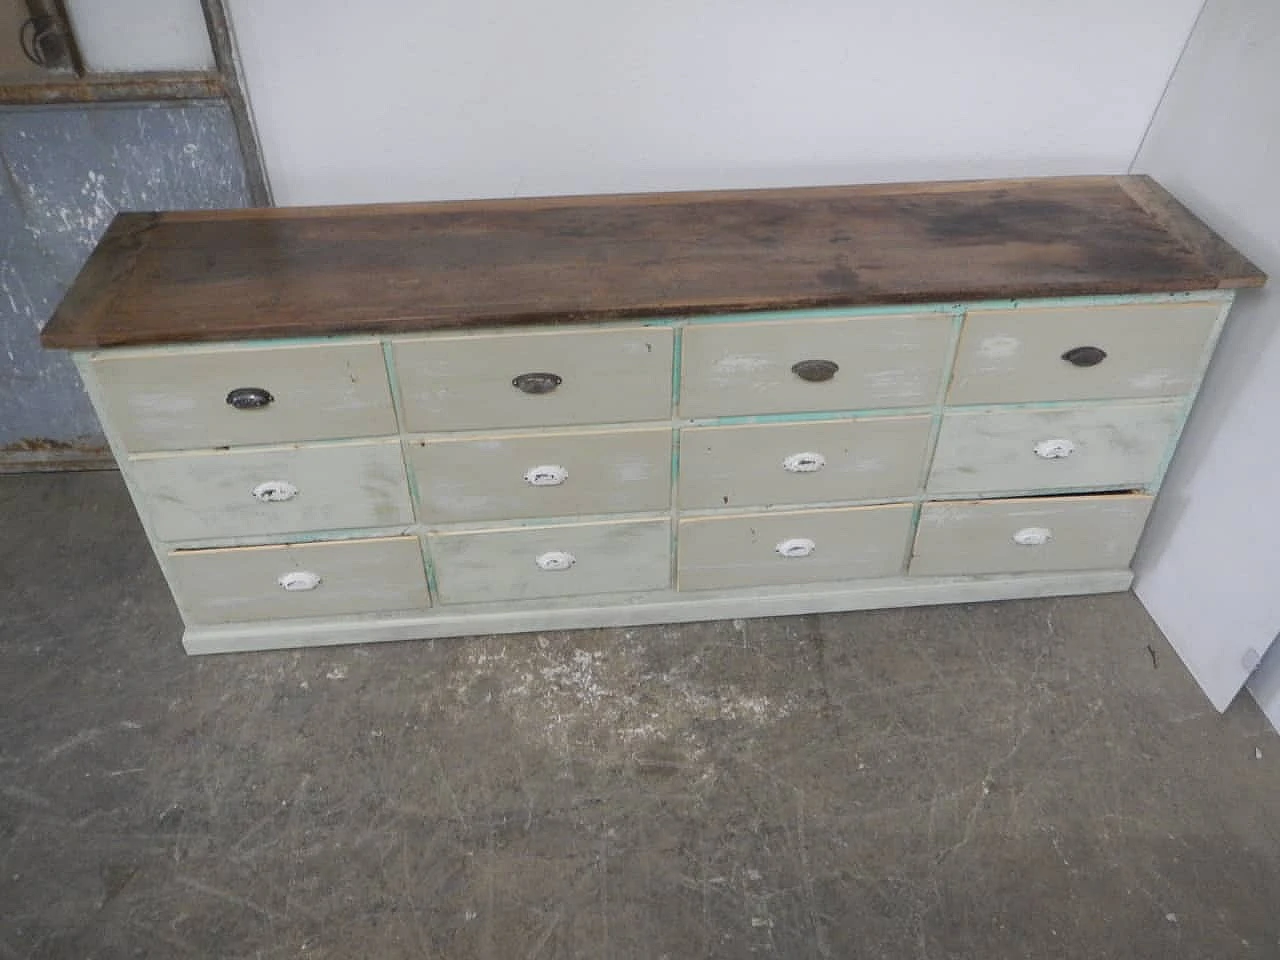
{"x":410,"y":474}
{"x":916,"y":509}
{"x":458,"y":527}
{"x":674,"y":505}
{"x":940,"y":400}
{"x":955,"y":306}
{"x":699,"y":318}
{"x":677,"y":359}
{"x":763,"y":509}
{"x":1060,"y":404}
{"x":429,"y":569}
{"x":807,"y":416}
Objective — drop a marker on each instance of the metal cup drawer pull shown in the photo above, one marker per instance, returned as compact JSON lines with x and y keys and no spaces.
{"x":1056,"y":448}
{"x":297,"y":580}
{"x":546,"y":475}
{"x":1085,"y":356}
{"x":554,"y":560}
{"x":535,"y":383}
{"x":795,"y":547}
{"x":804,"y":463}
{"x":815,"y":371}
{"x":275,"y":491}
{"x":249,"y":398}
{"x":1033,"y":536}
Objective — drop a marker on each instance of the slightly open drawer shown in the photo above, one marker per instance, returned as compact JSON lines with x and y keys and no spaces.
{"x":1032,"y":535}
{"x":279,"y":581}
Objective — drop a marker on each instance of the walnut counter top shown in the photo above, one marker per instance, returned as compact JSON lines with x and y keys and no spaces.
{"x":189,"y":277}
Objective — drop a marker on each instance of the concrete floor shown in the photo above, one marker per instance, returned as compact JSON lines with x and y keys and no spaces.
{"x":1028,"y":779}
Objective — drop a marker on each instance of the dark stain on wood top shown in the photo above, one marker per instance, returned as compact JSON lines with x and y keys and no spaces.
{"x":248,"y":274}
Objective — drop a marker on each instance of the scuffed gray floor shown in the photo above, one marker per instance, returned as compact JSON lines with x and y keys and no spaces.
{"x":1030,"y":779}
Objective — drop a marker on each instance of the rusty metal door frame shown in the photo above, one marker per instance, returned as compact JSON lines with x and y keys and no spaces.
{"x":222,"y":83}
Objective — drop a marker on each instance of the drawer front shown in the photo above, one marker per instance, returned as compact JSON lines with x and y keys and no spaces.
{"x":324,"y":579}
{"x":806,"y":546}
{"x":283,"y":490}
{"x":1029,"y":536}
{"x":179,"y":401}
{"x":763,"y":464}
{"x":1151,"y":350}
{"x":543,"y":475}
{"x":553,"y":561}
{"x":476,"y":382}
{"x":1112,"y":446}
{"x":748,"y":368}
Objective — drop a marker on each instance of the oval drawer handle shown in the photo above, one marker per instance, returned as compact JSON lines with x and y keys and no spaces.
{"x":555,"y":560}
{"x":535,"y":383}
{"x":546,"y":475}
{"x":275,"y":491}
{"x":1057,"y":448}
{"x":815,"y":371}
{"x":804,"y":463}
{"x":796,"y":547}
{"x":1085,"y":356}
{"x":249,"y":398}
{"x":299,"y":580}
{"x":1033,"y":536}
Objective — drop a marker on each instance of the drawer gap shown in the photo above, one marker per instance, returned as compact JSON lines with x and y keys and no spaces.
{"x":1092,"y":494}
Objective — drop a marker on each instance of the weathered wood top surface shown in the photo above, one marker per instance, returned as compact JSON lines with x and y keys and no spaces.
{"x":244,"y":274}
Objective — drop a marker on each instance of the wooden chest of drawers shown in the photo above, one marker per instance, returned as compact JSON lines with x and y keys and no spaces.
{"x":419,"y":421}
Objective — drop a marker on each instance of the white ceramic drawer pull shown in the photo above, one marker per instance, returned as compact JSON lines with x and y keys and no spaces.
{"x":274,"y":491}
{"x":546,"y":475}
{"x":804,"y":463}
{"x":1033,"y":536}
{"x":555,"y":560}
{"x":796,"y":547}
{"x":299,"y":580}
{"x":1055,"y":449}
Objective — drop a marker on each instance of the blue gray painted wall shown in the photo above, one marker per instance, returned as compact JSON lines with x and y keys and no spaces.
{"x":67,"y":171}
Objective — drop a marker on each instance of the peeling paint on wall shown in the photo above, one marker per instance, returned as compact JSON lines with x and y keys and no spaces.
{"x":67,"y":170}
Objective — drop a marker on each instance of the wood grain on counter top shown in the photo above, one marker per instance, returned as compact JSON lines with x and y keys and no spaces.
{"x":210,"y":276}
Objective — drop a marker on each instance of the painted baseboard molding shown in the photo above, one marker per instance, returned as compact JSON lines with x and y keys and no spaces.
{"x":55,"y":460}
{"x":572,"y":614}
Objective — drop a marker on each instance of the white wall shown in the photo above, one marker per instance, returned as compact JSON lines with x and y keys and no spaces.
{"x":1209,"y":567}
{"x":141,"y":35}
{"x":426,"y":100}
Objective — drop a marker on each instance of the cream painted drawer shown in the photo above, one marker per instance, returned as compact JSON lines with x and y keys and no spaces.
{"x":473,"y":383}
{"x":1105,"y":446}
{"x":327,"y":579}
{"x":803,"y":546}
{"x":179,"y":400}
{"x":552,"y":561}
{"x":747,"y":368}
{"x":279,"y":490}
{"x":1029,"y":536}
{"x":1151,"y":350}
{"x":543,"y":474}
{"x":762,"y":464}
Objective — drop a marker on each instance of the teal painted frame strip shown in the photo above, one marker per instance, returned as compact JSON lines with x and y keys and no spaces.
{"x":817,"y":313}
{"x":937,"y":411}
{"x":817,"y":416}
{"x":410,"y":476}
